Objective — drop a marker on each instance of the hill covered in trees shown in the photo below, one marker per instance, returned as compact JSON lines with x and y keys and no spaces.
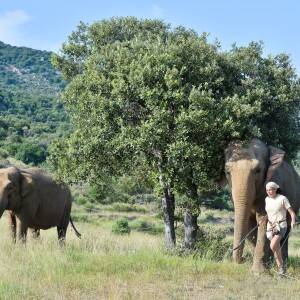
{"x":30,"y":111}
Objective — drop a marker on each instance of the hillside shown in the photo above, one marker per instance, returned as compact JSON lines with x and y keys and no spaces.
{"x":28,"y":70}
{"x":30,"y":111}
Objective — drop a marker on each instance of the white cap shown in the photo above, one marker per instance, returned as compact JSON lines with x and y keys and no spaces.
{"x":272,"y":184}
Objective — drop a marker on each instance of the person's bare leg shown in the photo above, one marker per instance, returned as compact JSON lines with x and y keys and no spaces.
{"x":275,"y":247}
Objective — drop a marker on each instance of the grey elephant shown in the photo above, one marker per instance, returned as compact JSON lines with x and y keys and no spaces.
{"x":35,"y":201}
{"x":248,"y":169}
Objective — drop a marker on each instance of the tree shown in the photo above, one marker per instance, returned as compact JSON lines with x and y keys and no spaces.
{"x":141,"y":93}
{"x":271,"y":85}
{"x":135,"y":93}
{"x":31,"y":153}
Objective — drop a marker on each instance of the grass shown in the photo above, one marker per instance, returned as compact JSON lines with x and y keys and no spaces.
{"x":106,"y":266}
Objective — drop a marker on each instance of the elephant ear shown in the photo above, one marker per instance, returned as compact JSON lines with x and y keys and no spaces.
{"x":27,"y":184}
{"x":276,"y":158}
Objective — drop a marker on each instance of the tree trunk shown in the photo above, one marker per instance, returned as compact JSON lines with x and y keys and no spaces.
{"x":190,"y":219}
{"x":168,"y":207}
{"x":168,"y":204}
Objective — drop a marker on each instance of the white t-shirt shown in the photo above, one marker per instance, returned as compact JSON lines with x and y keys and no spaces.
{"x":276,"y":208}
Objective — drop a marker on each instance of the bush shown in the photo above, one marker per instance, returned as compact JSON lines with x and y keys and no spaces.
{"x":126,"y":207}
{"x":3,"y":153}
{"x":31,"y":153}
{"x":146,"y":226}
{"x":218,"y":199}
{"x":80,"y":199}
{"x":211,"y":244}
{"x":121,"y":227}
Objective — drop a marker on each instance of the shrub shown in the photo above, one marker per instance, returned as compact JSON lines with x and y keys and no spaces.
{"x":80,"y":199}
{"x":218,"y":199}
{"x":211,"y":244}
{"x":146,"y":226}
{"x":31,"y":153}
{"x":121,"y":227}
{"x":126,"y":207}
{"x":3,"y":153}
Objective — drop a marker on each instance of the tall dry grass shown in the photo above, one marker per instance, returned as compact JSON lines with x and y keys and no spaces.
{"x":105,"y":266}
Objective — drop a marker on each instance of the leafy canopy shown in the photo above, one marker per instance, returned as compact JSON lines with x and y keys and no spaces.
{"x":141,"y":93}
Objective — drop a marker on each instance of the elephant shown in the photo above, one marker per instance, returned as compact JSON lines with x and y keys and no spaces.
{"x":34,"y":201}
{"x":248,"y":168}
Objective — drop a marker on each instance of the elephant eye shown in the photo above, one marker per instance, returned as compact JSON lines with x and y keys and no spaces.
{"x":10,"y":188}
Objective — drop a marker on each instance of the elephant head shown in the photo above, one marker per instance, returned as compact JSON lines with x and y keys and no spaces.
{"x":14,"y":186}
{"x":247,"y":169}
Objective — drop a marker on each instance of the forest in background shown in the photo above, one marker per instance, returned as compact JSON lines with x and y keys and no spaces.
{"x":30,"y":111}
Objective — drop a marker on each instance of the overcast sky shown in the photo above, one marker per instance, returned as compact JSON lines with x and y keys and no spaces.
{"x":46,"y":24}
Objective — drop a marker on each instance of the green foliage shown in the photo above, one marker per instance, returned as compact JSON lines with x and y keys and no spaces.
{"x":218,"y":199}
{"x":146,"y":226}
{"x":267,"y":103}
{"x":167,"y":98}
{"x":3,"y":153}
{"x":102,"y":191}
{"x":126,"y":188}
{"x":121,"y":226}
{"x":28,"y":69}
{"x":80,"y":217}
{"x":80,"y":199}
{"x":143,"y":94}
{"x":31,"y":153}
{"x":126,"y":207}
{"x":159,"y":102}
{"x":211,"y":244}
{"x":30,"y":112}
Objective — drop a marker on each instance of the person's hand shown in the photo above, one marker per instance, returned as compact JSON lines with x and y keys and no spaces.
{"x":262,"y":220}
{"x":293,"y":223}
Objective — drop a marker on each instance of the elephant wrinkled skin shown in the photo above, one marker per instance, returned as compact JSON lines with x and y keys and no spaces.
{"x":247,"y":172}
{"x":34,"y":200}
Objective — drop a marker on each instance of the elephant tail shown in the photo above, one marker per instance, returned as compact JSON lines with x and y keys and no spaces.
{"x":76,"y":231}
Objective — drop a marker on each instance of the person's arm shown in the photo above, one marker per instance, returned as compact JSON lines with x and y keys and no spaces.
{"x":262,"y":220}
{"x":293,"y":217}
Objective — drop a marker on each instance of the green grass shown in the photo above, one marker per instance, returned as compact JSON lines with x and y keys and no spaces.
{"x":106,"y":266}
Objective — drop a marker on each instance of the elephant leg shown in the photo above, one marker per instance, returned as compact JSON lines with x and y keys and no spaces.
{"x":22,"y":228}
{"x":22,"y":235}
{"x":62,"y":227}
{"x":261,"y":256}
{"x":35,"y":233}
{"x":61,"y":233}
{"x":12,"y":226}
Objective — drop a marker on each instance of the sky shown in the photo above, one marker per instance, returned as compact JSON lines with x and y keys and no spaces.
{"x":46,"y":24}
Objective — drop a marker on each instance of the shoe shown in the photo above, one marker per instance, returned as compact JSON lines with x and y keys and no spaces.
{"x":281,"y":270}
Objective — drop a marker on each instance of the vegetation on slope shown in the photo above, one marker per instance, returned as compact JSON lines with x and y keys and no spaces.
{"x":30,"y":111}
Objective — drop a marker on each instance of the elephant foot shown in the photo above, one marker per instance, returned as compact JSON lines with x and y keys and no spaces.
{"x":258,"y":269}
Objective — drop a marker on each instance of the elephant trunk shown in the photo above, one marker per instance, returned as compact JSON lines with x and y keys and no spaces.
{"x":242,"y":206}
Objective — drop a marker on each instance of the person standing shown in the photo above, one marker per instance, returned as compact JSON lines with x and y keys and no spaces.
{"x":276,"y":206}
